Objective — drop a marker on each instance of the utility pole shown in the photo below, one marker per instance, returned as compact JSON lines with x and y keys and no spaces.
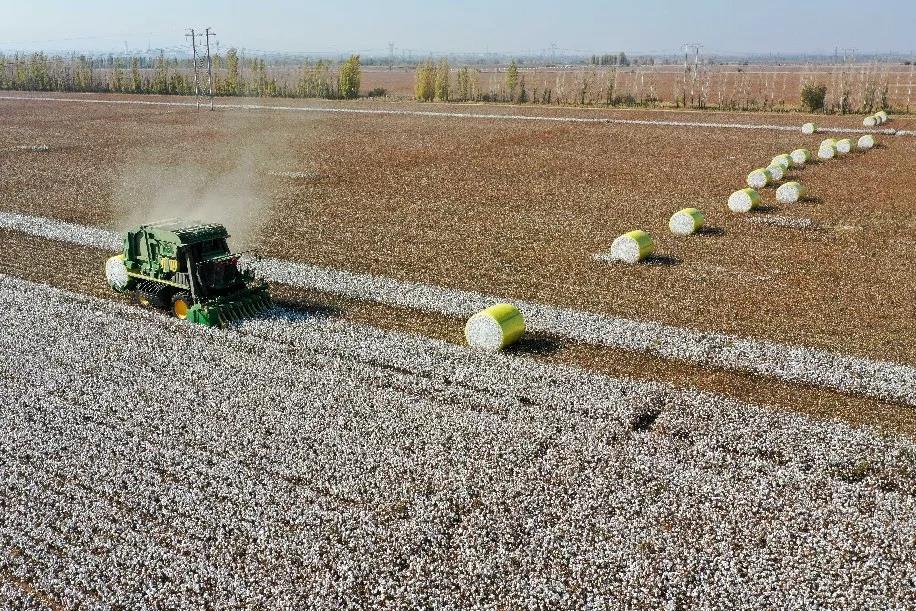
{"x":193,"y":38}
{"x":390,"y":56}
{"x":696,"y":68}
{"x":209,"y":67}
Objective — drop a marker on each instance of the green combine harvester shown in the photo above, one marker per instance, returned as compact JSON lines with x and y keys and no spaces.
{"x":187,"y":268}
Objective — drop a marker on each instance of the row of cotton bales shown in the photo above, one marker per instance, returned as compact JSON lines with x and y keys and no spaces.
{"x":876,"y":119}
{"x":502,"y":324}
{"x":748,"y":199}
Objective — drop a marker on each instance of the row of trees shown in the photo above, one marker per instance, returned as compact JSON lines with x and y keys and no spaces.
{"x":848,"y":93}
{"x":232,"y":76}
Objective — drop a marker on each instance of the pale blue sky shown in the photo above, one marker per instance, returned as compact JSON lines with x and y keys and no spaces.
{"x":476,"y":25}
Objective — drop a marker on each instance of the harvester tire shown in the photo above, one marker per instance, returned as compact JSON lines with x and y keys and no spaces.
{"x":152,"y":295}
{"x":181,"y":303}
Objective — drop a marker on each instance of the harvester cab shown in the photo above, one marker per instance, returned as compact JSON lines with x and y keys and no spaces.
{"x":186,"y":267}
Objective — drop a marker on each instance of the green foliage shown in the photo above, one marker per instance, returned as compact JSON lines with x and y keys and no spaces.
{"x":348,"y":78}
{"x":233,"y":83}
{"x":512,"y":79}
{"x":116,"y":81}
{"x":464,"y":84}
{"x":622,"y":59}
{"x":160,"y":83}
{"x":813,"y":96}
{"x":425,"y":85}
{"x":378,"y":92}
{"x":443,"y":81}
{"x":316,"y":80}
{"x":136,"y":81}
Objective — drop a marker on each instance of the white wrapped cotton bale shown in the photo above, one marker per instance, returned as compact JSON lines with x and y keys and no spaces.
{"x":784,"y":160}
{"x":790,"y":193}
{"x":744,"y":200}
{"x":809,"y":128}
{"x":495,"y":328}
{"x":882,"y":116}
{"x":843,"y":146}
{"x":870,"y":121}
{"x":116,"y":274}
{"x":800,"y":156}
{"x":632,"y":247}
{"x":827,"y":149}
{"x":686,"y":221}
{"x":866,"y":142}
{"x":759,"y":178}
{"x":776,"y":172}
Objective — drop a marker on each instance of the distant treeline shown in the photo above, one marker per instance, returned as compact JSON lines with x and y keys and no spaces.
{"x":232,"y":76}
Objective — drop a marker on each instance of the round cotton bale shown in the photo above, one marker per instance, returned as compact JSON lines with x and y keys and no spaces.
{"x":686,"y":221}
{"x":790,"y":193}
{"x":827,"y":149}
{"x":785,"y":160}
{"x":865,"y":142}
{"x":882,"y":116}
{"x":495,"y":328}
{"x":759,"y":178}
{"x":843,"y":146}
{"x":809,"y":128}
{"x":116,"y":274}
{"x":776,"y":172}
{"x":632,"y":247}
{"x":800,"y":156}
{"x":744,"y":200}
{"x":870,"y":121}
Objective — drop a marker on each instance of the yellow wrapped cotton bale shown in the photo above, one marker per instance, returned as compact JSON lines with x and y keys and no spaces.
{"x":744,"y":200}
{"x":790,"y":193}
{"x":827,"y":149}
{"x":784,"y":160}
{"x":759,"y":178}
{"x":866,"y":142}
{"x":632,"y":247}
{"x":495,"y":328}
{"x":800,"y":157}
{"x":870,"y":121}
{"x":843,"y":146}
{"x":776,"y":172}
{"x":686,"y":221}
{"x":809,"y":128}
{"x":882,"y":116}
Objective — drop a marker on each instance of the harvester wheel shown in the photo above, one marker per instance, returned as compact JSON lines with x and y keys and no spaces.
{"x":181,"y":303}
{"x":152,"y":295}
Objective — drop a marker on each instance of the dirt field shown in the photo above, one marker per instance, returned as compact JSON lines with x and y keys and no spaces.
{"x":507,"y":208}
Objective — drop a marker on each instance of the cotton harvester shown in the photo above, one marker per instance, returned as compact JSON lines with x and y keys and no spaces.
{"x":188,"y":269}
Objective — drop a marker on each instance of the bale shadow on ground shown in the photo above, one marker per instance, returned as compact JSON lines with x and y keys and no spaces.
{"x":536,"y":344}
{"x":662,"y":261}
{"x":811,"y":199}
{"x":765,"y":209}
{"x":711,"y":232}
